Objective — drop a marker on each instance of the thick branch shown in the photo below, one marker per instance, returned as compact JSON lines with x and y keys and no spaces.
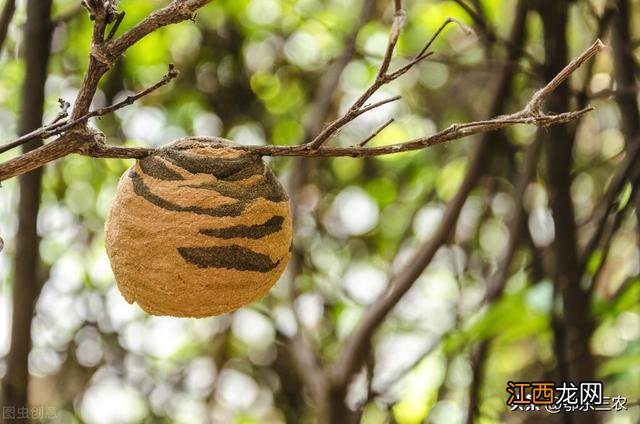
{"x":35,"y":159}
{"x":105,"y":53}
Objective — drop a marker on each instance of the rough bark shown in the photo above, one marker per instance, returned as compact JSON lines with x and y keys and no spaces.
{"x":26,"y":282}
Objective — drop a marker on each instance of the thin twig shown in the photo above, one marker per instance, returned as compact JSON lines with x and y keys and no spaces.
{"x":446,"y":23}
{"x":170,"y":75}
{"x":64,"y":111}
{"x":536,"y":101}
{"x":376,"y":132}
{"x":383,"y":76}
{"x":116,"y":25}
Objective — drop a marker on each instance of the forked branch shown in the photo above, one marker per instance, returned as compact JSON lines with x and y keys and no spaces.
{"x":75,"y":138}
{"x":61,"y":125}
{"x":531,"y":114}
{"x":106,"y":48}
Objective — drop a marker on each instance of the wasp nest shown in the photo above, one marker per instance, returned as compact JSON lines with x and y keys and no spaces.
{"x":198,"y":229}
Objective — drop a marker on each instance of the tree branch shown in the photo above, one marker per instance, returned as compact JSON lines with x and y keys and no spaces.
{"x":542,"y":94}
{"x":60,"y":126}
{"x":376,"y":132}
{"x":383,"y":77}
{"x":530,"y":114}
{"x":103,"y":54}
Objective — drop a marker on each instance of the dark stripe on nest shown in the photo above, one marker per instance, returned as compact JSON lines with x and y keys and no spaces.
{"x":229,"y":257}
{"x":267,"y":188}
{"x":255,"y":232}
{"x":141,"y":189}
{"x":154,"y":167}
{"x":231,"y":169}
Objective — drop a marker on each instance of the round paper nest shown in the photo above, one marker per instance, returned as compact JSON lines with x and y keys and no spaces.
{"x":198,"y":229}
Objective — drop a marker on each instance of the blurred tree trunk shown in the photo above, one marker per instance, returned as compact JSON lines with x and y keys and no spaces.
{"x":503,"y":93}
{"x":6,"y":16}
{"x":573,"y":330}
{"x":26,"y":281}
{"x":625,"y":67}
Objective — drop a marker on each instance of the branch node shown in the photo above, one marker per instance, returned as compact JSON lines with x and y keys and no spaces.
{"x":92,"y":139}
{"x":64,"y":111}
{"x":101,"y":54}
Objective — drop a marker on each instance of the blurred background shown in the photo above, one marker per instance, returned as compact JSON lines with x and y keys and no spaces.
{"x":535,"y":271}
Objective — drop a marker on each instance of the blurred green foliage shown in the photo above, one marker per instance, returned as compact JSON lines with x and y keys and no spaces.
{"x":249,"y":69}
